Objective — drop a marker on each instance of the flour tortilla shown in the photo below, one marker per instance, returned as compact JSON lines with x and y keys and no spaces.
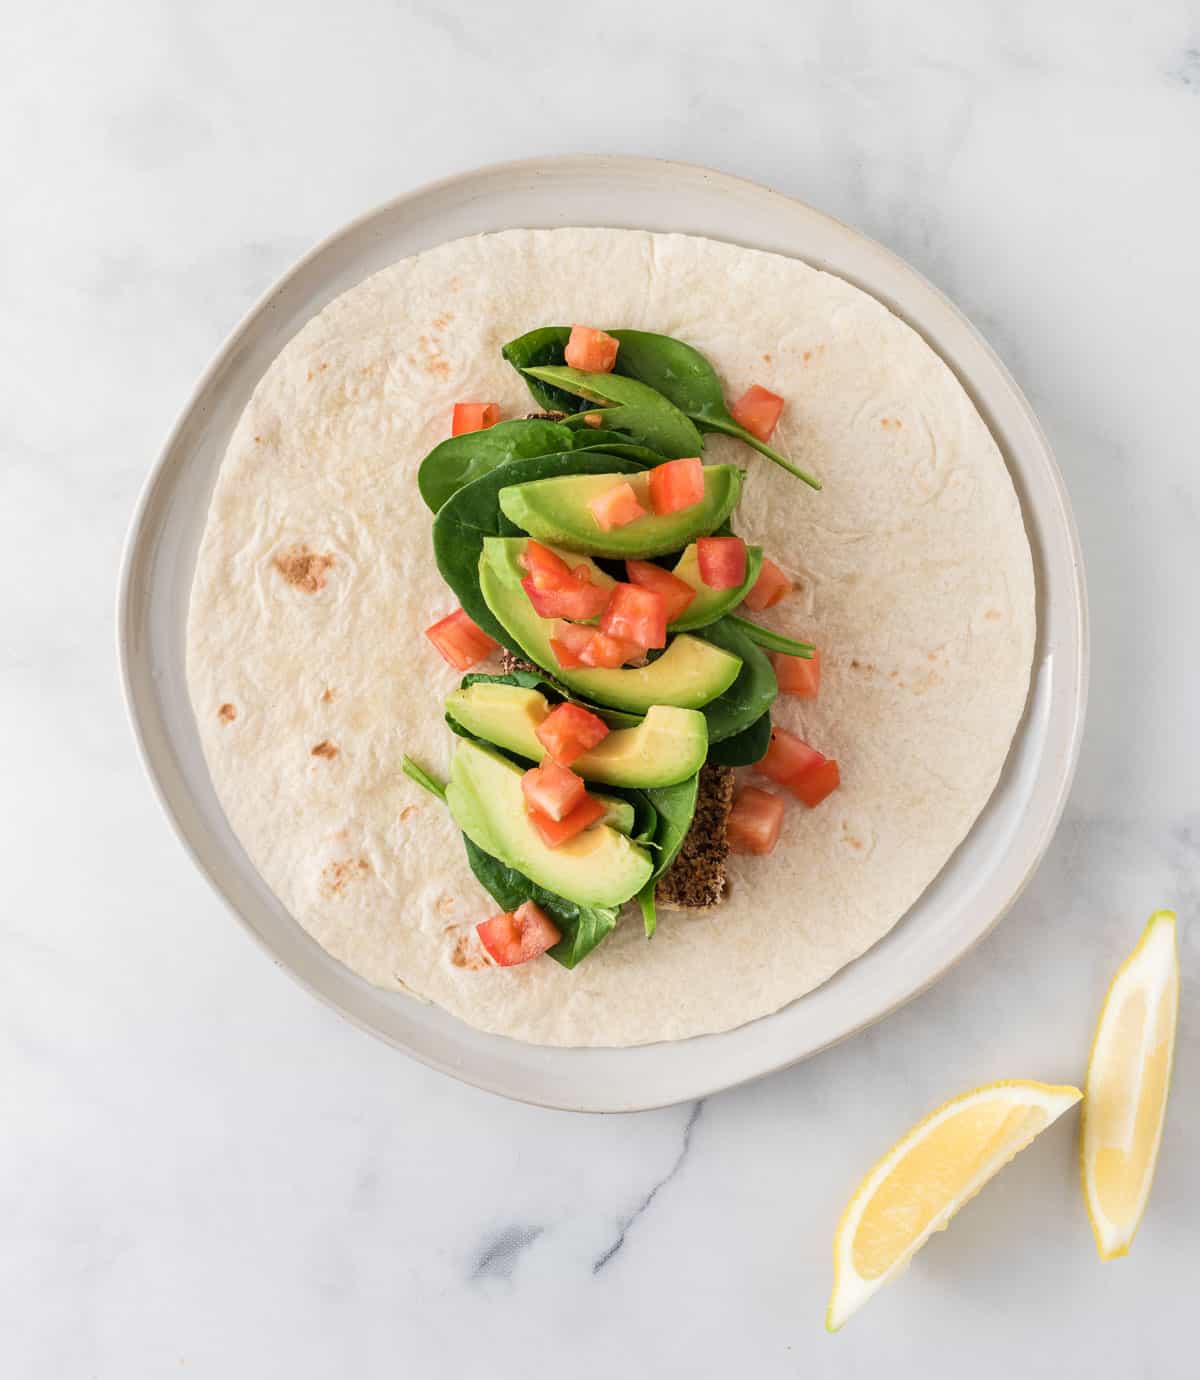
{"x":310,"y":676}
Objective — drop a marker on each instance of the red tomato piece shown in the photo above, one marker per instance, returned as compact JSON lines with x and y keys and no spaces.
{"x":579,"y":599}
{"x":788,"y":757}
{"x":814,"y":785}
{"x":546,"y":568}
{"x":516,"y":937}
{"x":460,"y":641}
{"x":797,"y":676}
{"x":472,"y":416}
{"x":593,"y":419}
{"x":607,"y":653}
{"x":553,"y":789}
{"x":755,"y":821}
{"x":758,"y":411}
{"x":636,"y":614}
{"x":554,"y":832}
{"x":771,"y":586}
{"x":675,"y":593}
{"x":592,"y":350}
{"x":569,"y":730}
{"x":722,"y":561}
{"x":616,"y":507}
{"x":677,"y":484}
{"x":568,"y":641}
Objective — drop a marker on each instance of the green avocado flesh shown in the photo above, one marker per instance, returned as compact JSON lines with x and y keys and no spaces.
{"x":689,"y":674}
{"x":711,"y":604}
{"x":618,"y":814}
{"x":667,"y":747}
{"x":556,"y":510}
{"x":598,"y":867}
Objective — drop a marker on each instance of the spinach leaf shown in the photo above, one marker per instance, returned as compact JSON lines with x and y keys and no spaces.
{"x":546,"y":345}
{"x":773,"y":641}
{"x":457,"y":461}
{"x":676,"y":370}
{"x":674,"y":807}
{"x":583,"y":927}
{"x":682,"y":374}
{"x":751,"y":695}
{"x":588,"y":438}
{"x":630,"y":405}
{"x":645,"y":900}
{"x":744,"y":748}
{"x":422,"y":778}
{"x":474,"y":512}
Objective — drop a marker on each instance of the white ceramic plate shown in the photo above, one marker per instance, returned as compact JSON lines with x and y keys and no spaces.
{"x":982,"y":879}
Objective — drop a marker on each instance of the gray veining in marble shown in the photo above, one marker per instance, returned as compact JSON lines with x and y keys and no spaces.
{"x":202,"y":1171}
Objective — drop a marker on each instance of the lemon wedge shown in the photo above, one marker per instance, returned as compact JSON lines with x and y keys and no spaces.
{"x":927,"y":1176}
{"x":1128,"y":1077}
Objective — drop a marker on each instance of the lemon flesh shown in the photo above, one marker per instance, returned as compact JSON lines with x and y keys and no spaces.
{"x":1129,"y":1076}
{"x":927,"y":1176}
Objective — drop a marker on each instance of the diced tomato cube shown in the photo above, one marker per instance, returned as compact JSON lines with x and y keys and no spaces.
{"x":461,"y":641}
{"x":568,"y":640}
{"x":616,"y":507}
{"x":676,"y":485}
{"x":771,"y":586}
{"x":472,"y":416}
{"x":578,"y":599}
{"x":675,"y":593}
{"x":570,"y":730}
{"x":787,"y":757}
{"x":607,"y":653}
{"x":565,"y":657}
{"x":758,"y":411}
{"x":553,"y":789}
{"x":722,"y":561}
{"x":636,"y":614}
{"x":592,"y":350}
{"x":554,"y":832}
{"x":814,"y":785}
{"x":546,"y":568}
{"x":516,"y":937}
{"x":798,"y":676}
{"x":755,"y":821}
{"x":593,"y":419}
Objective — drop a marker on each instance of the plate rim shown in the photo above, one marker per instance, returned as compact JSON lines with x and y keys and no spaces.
{"x":1077,"y":671}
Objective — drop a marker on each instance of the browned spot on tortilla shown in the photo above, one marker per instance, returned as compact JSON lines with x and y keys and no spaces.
{"x":328,"y":694}
{"x":468,"y":953}
{"x":766,"y":359}
{"x":325,"y":749}
{"x":258,"y":440}
{"x":337,"y":876}
{"x":445,"y":905}
{"x":456,"y":284}
{"x":407,"y":813}
{"x":227,"y":713}
{"x":441,"y":322}
{"x":322,"y":366}
{"x":303,"y":569}
{"x":433,"y":361}
{"x":992,"y":615}
{"x":807,"y":356}
{"x":890,"y":423}
{"x":868,"y":667}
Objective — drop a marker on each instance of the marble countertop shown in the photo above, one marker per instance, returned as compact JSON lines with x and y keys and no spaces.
{"x":203,"y":1172}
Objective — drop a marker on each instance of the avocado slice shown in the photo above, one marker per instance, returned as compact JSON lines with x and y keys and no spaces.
{"x":711,"y":604}
{"x":556,"y":510}
{"x":598,"y":867}
{"x":668,"y":746}
{"x":689,"y":673}
{"x":618,"y":814}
